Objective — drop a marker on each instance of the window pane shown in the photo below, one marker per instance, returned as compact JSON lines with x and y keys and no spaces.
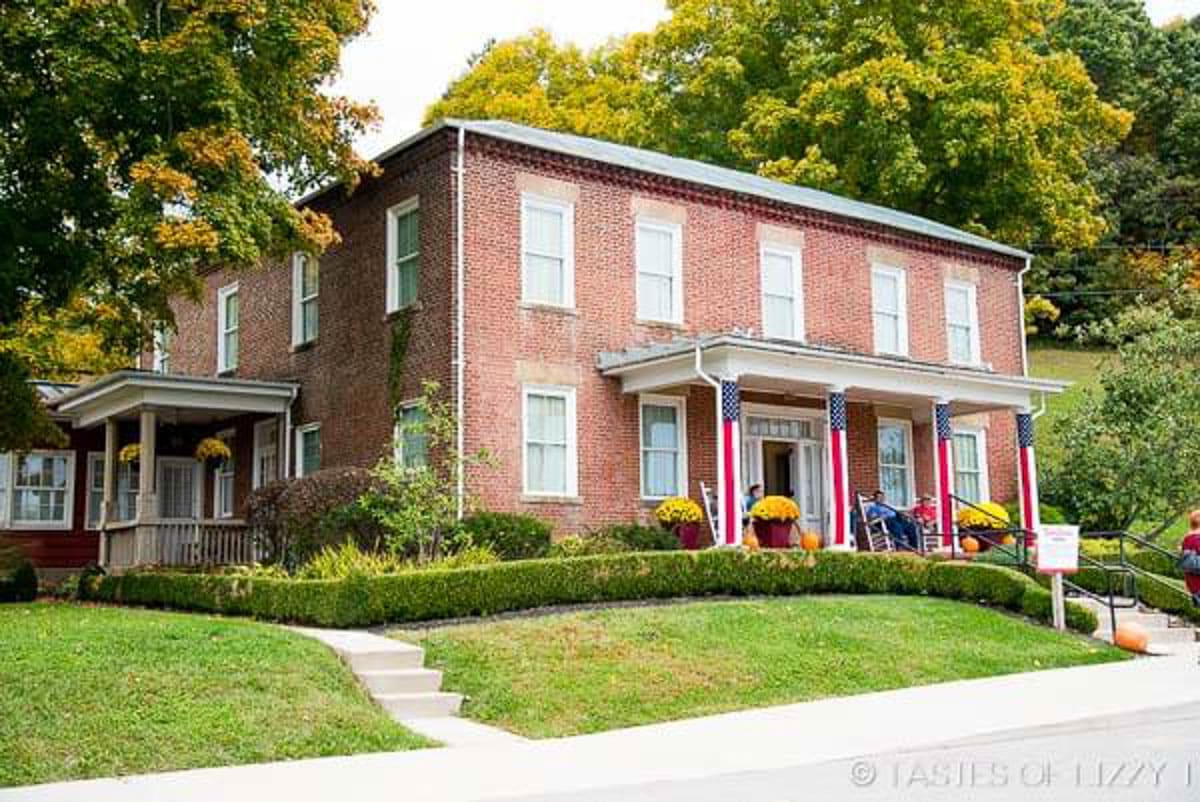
{"x":894,"y":483}
{"x":413,"y":437}
{"x":661,"y":471}
{"x":892,"y":446}
{"x":408,"y":282}
{"x":547,"y":419}
{"x":309,"y":321}
{"x":655,"y":251}
{"x":778,"y":274}
{"x":887,"y":333}
{"x":547,"y":468}
{"x":544,"y":279}
{"x":127,"y":491}
{"x":958,"y":306}
{"x":966,"y":452}
{"x":960,"y":344}
{"x":95,"y":496}
{"x":407,"y":230}
{"x":309,"y":277}
{"x":544,"y":231}
{"x":654,"y":297}
{"x":778,"y":317}
{"x":660,"y":428}
{"x":311,"y":451}
{"x":177,"y":495}
{"x":231,"y":349}
{"x":885,"y":293}
{"x":231,"y":311}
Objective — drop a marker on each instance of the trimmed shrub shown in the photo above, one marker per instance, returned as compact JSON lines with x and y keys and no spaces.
{"x":18,"y":578}
{"x":510,"y":536}
{"x":641,"y":538}
{"x":586,"y":545}
{"x":358,"y":600}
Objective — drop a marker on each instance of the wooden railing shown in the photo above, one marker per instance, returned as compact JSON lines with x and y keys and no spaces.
{"x":179,"y":543}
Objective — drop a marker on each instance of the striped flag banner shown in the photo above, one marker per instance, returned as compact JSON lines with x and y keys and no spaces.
{"x":837,"y":460}
{"x":941,"y":415}
{"x":730,"y":415}
{"x":1028,"y":472}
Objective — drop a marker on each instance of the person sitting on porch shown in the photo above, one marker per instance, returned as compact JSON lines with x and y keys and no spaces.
{"x":902,"y":529}
{"x":925,"y":513}
{"x":1191,"y":546}
{"x":749,"y":500}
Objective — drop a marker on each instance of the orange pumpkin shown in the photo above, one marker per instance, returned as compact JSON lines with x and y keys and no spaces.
{"x":970,"y":545}
{"x":750,"y":540}
{"x":1132,"y":637}
{"x":1008,"y":540}
{"x":810,"y":541}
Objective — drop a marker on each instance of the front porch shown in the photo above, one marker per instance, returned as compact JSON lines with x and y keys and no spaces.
{"x":162,"y":503}
{"x":823,"y":426}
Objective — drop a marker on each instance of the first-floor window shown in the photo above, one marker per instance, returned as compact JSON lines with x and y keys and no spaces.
{"x":266,"y":452}
{"x":223,"y":480}
{"x":895,"y":462}
{"x":411,"y":438}
{"x":127,"y":491}
{"x":308,"y":449}
{"x":549,"y":431}
{"x":970,"y":465}
{"x":662,"y":424}
{"x":41,"y":489}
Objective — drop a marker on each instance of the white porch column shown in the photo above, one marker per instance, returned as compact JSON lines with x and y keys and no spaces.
{"x":146,"y":551}
{"x":729,"y":463}
{"x":108,"y":504}
{"x":1027,"y":473}
{"x":841,"y":533}
{"x":943,"y":434}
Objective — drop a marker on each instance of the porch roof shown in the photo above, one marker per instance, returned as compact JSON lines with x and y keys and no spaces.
{"x":798,"y":367}
{"x":194,"y":397}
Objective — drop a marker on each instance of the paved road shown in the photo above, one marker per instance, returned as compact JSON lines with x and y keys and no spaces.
{"x":1142,"y":757}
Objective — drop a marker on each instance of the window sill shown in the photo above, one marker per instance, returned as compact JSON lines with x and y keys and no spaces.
{"x":554,"y":309}
{"x":307,"y":345}
{"x":227,"y":372}
{"x":534,"y":498}
{"x":34,"y":527}
{"x":661,"y":324}
{"x":415,"y":306}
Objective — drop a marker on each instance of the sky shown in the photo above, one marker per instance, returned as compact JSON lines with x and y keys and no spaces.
{"x":413,"y":50}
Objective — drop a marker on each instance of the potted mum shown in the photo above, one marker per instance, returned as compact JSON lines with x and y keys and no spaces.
{"x":683,"y":517}
{"x":130,"y":454}
{"x":983,"y":523}
{"x":213,"y":452}
{"x":774,"y":517}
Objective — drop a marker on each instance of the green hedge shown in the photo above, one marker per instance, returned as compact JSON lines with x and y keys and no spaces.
{"x":1108,"y":551}
{"x":430,"y":595}
{"x":1167,"y":594}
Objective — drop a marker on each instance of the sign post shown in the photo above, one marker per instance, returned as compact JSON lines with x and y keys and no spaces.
{"x":1058,"y":554}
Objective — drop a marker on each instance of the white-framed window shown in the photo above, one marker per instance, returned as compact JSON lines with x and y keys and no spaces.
{"x":889,"y":309}
{"x":969,"y":458}
{"x":306,"y":280}
{"x":163,"y":340}
{"x":224,"y":478}
{"x":266,"y":452}
{"x":659,"y":256}
{"x":782,"y":293}
{"x":228,"y":321}
{"x":403,"y":253}
{"x":40,"y":487}
{"x":662,"y":421}
{"x":547,"y":251}
{"x":551,"y":461}
{"x":896,"y":461}
{"x":179,"y":488}
{"x":127,"y":490}
{"x":410,"y":440}
{"x":962,"y":323}
{"x":308,"y":449}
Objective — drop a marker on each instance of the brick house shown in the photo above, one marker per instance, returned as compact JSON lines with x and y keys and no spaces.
{"x":613,"y":325}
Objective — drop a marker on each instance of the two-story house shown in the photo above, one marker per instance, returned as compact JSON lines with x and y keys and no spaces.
{"x":615,"y":326}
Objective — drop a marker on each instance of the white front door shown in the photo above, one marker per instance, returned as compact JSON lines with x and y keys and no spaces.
{"x":179,"y":482}
{"x":772,"y":438}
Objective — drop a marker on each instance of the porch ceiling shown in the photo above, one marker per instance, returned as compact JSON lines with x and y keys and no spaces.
{"x":812,"y":371}
{"x":179,"y":399}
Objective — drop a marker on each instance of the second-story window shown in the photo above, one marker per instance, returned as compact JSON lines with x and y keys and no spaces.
{"x":782,"y":297}
{"x":547,"y":252}
{"x":162,"y":349}
{"x":305,"y":286}
{"x":659,"y":272}
{"x":228,"y":314}
{"x":889,"y":310}
{"x":404,"y":254}
{"x":962,"y":323}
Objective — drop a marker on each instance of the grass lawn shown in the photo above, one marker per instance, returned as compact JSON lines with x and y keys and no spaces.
{"x":99,"y":691}
{"x":589,"y":671}
{"x":1078,"y":365}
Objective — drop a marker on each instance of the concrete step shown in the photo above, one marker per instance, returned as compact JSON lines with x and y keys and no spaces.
{"x":1147,"y":620}
{"x":401,"y":680}
{"x":429,"y":704}
{"x":454,"y":731}
{"x":384,"y":659}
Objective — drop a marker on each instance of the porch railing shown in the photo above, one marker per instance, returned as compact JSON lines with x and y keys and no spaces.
{"x":179,"y":543}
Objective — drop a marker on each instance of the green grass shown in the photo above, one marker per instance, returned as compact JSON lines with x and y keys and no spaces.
{"x":98,"y":691}
{"x":589,"y":671}
{"x":1079,"y":365}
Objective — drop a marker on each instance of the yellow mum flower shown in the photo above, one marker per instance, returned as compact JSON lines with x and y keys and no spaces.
{"x":678,"y":510}
{"x":775,"y":508}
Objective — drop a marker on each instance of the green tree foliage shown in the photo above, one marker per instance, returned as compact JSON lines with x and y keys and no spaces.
{"x":146,"y":137}
{"x":958,"y":111}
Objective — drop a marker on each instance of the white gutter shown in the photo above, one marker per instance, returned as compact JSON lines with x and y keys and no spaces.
{"x":1021,"y":317}
{"x":287,"y":435}
{"x":716,"y":385}
{"x":460,"y":326}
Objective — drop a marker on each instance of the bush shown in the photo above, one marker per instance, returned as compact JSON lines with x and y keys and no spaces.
{"x":641,"y":538}
{"x":586,"y":545}
{"x":359,"y":600}
{"x":510,"y":536}
{"x":1048,"y":514}
{"x":339,"y":562}
{"x":18,"y":579}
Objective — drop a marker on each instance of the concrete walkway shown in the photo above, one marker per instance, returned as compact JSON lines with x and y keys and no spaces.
{"x":755,"y":740}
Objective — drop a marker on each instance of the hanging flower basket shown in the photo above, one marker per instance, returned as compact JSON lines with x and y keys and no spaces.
{"x":213,"y":452}
{"x":774,"y":517}
{"x":683,"y":517}
{"x":130,"y":454}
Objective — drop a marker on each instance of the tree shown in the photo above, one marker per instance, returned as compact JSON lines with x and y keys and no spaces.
{"x":144,"y":138}
{"x":958,"y":111}
{"x":1130,"y":450}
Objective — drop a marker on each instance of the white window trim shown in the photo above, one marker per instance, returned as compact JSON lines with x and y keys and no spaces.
{"x":393,"y":276}
{"x":676,"y":232}
{"x":980,"y":435}
{"x":907,"y":426}
{"x":571,"y":489}
{"x":162,"y":354}
{"x":681,"y":467}
{"x":93,"y":457}
{"x":298,"y":299}
{"x":256,"y":471}
{"x":973,"y":320}
{"x":901,"y":276}
{"x":300,"y":432}
{"x":197,"y":485}
{"x":224,"y":436}
{"x":222,"y":358}
{"x":792,"y":253}
{"x":567,"y":210}
{"x":13,"y":524}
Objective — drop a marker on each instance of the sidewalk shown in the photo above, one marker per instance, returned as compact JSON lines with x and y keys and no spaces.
{"x":765,"y":739}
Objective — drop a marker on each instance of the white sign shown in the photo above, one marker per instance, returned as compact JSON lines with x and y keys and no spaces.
{"x":1058,"y":549}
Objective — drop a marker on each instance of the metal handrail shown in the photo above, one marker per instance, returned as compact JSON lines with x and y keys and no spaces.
{"x":1134,"y":569}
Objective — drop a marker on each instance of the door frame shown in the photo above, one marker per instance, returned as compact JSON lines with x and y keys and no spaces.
{"x":813,"y":415}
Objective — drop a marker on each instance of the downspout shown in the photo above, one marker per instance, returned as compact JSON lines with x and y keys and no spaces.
{"x":287,"y":434}
{"x":460,"y":327}
{"x":1021,"y":318}
{"x":716,"y":385}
